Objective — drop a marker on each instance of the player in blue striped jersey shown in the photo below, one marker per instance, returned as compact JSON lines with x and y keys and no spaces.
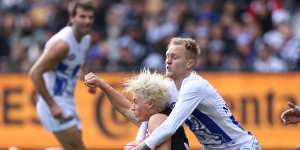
{"x":198,"y":105}
{"x":55,"y":74}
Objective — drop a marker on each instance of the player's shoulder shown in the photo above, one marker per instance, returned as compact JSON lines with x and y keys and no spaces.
{"x":87,"y":39}
{"x":156,"y":120}
{"x":63,"y":35}
{"x":64,"y":32}
{"x":157,"y":117}
{"x":194,"y":81}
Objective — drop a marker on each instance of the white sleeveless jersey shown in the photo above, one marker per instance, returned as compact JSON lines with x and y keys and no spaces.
{"x":61,"y":81}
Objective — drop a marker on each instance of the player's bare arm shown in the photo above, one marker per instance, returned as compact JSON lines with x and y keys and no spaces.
{"x":154,"y":122}
{"x":48,"y":60}
{"x":83,"y":71}
{"x":117,"y":99}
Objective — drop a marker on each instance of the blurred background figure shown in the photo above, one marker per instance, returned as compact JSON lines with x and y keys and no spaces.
{"x":130,"y":34}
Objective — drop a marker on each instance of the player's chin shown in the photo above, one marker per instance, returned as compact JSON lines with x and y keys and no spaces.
{"x":140,"y":119}
{"x":168,"y":73}
{"x":86,"y":30}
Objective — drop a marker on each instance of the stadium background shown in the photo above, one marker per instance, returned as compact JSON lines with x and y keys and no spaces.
{"x":250,"y":53}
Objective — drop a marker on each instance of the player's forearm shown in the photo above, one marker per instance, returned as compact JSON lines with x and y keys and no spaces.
{"x":117,"y":99}
{"x":40,"y":86}
{"x":83,"y":71}
{"x":142,"y":146}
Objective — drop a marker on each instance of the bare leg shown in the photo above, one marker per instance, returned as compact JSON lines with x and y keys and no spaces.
{"x":70,"y":139}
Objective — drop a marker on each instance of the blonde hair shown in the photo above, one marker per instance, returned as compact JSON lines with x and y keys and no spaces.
{"x":151,"y":86}
{"x":188,"y":43}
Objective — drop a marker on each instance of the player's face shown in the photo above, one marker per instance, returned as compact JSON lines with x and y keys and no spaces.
{"x":83,"y":20}
{"x":140,"y":108}
{"x":176,"y":61}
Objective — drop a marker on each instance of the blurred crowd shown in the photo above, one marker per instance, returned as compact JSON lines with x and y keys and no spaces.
{"x":234,"y":35}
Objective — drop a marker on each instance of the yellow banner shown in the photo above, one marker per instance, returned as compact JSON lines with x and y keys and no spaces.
{"x":256,"y":100}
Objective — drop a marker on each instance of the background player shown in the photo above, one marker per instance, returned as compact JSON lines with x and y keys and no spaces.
{"x":55,"y":74}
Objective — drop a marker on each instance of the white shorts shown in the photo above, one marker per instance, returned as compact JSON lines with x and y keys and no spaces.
{"x":253,"y":144}
{"x":248,"y":142}
{"x":52,"y":124}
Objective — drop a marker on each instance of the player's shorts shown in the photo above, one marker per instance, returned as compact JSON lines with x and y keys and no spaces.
{"x":252,"y":144}
{"x":248,"y":142}
{"x":55,"y":125}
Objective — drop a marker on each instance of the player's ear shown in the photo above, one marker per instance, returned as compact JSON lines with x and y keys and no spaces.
{"x":191,"y":63}
{"x":151,"y":104}
{"x":71,"y":20}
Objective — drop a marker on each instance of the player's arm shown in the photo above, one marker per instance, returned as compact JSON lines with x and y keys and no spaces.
{"x":117,"y":99}
{"x":292,"y":115}
{"x":154,"y":122}
{"x":84,"y":69}
{"x":186,"y":104}
{"x":47,"y":61}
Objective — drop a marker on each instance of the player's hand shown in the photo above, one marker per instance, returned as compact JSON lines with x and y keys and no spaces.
{"x":131,"y":145}
{"x":91,"y":80}
{"x":58,"y":114}
{"x":142,"y":146}
{"x":292,"y":115}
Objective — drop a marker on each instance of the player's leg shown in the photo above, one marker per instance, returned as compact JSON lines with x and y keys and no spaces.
{"x":70,"y":139}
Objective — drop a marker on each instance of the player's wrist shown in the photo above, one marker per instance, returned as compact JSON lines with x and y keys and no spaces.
{"x":143,"y":146}
{"x":51,"y":103}
{"x":99,"y":83}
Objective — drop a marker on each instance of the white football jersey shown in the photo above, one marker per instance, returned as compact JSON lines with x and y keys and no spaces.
{"x":62,"y":80}
{"x":204,"y":111}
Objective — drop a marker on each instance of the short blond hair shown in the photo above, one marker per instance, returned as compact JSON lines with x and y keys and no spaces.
{"x":151,"y":86}
{"x":188,"y":43}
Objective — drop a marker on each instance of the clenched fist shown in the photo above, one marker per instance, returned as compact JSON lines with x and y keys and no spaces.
{"x":92,"y":80}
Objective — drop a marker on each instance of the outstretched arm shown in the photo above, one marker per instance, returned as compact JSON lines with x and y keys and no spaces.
{"x":117,"y":99}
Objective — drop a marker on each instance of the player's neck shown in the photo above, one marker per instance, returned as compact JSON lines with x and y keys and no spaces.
{"x":179,"y":79}
{"x":77,"y":34}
